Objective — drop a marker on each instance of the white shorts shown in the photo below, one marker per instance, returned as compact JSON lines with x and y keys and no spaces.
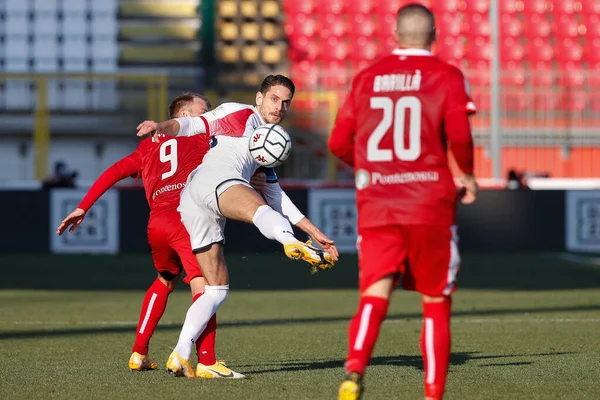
{"x":199,"y":207}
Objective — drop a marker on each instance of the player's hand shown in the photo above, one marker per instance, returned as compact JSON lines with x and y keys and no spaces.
{"x":148,"y":128}
{"x":72,"y":221}
{"x":258,"y":181}
{"x":468,"y":194}
{"x":326,"y":243}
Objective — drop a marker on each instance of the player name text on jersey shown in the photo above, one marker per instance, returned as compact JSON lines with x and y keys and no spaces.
{"x":397,"y":82}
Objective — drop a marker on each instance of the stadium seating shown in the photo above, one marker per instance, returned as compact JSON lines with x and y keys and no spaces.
{"x":50,"y":37}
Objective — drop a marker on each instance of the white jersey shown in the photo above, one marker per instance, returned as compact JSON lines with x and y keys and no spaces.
{"x":230,"y":125}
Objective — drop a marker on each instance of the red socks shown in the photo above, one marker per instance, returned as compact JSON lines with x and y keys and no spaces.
{"x":435,"y":346}
{"x":363,"y":332}
{"x":205,"y":345}
{"x":153,"y":308}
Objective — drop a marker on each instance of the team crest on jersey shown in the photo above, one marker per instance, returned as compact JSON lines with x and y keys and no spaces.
{"x":362,"y":179}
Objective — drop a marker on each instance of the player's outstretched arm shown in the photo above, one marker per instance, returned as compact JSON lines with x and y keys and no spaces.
{"x":185,"y":126}
{"x":72,"y":221}
{"x":129,"y":166}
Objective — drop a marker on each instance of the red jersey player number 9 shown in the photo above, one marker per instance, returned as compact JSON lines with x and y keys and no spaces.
{"x":168,"y":154}
{"x":393,"y":115}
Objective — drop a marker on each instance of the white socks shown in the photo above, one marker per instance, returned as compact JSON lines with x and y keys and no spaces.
{"x":273,"y":225}
{"x":197,"y":317}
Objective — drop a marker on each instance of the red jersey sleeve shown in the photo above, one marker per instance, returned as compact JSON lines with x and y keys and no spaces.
{"x":129,"y":166}
{"x":341,"y":140}
{"x":458,"y":107}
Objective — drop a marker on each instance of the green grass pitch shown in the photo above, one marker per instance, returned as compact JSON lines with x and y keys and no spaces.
{"x":525,"y":326}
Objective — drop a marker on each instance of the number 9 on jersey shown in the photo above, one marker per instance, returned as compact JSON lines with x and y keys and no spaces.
{"x":270,"y":145}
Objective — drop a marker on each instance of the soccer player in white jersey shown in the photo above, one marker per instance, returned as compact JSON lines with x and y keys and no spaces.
{"x":219,"y":189}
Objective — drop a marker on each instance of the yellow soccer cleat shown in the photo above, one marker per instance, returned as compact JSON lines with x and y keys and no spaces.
{"x":305,"y":251}
{"x":178,"y":366}
{"x":141,"y":362}
{"x":217,"y":370}
{"x":351,"y":388}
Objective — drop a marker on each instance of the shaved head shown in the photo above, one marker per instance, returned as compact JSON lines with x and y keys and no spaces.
{"x":415,"y":26}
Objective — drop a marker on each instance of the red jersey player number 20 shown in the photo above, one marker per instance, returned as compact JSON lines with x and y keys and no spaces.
{"x":394,"y":128}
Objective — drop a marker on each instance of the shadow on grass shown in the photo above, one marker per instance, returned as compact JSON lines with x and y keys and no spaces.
{"x":26,"y":334}
{"x":413,"y":361}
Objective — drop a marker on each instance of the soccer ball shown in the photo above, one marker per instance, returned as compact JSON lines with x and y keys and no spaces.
{"x":270,"y":145}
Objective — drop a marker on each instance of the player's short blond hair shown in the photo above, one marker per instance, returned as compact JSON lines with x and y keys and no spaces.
{"x":184,"y":99}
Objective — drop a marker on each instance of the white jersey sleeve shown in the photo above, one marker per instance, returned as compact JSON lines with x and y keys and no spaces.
{"x":230,"y":119}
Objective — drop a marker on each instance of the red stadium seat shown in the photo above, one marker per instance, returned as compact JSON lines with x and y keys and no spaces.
{"x":383,"y":7}
{"x":359,"y":65}
{"x":569,"y":50}
{"x":511,"y":50}
{"x":510,"y":6}
{"x":477,"y":6}
{"x":539,"y":49}
{"x":590,"y":7}
{"x":293,"y":7}
{"x":567,"y":7}
{"x":510,"y":25}
{"x":360,"y":6}
{"x":385,"y":25}
{"x":567,"y":26}
{"x":300,"y":25}
{"x":445,"y":6}
{"x":573,"y":76}
{"x":479,"y":74}
{"x":513,"y":99}
{"x":574,"y":100}
{"x":334,"y":49}
{"x":362,"y":25}
{"x":479,"y":49}
{"x":536,"y":6}
{"x":335,"y":75}
{"x":364,"y":49}
{"x":332,"y":25}
{"x":331,"y":7}
{"x":594,"y":101}
{"x":543,"y":74}
{"x":302,"y":49}
{"x":546,"y":100}
{"x":479,"y":26}
{"x":386,"y":46}
{"x":449,"y":25}
{"x":451,"y":48}
{"x":513,"y":75}
{"x":592,"y":27}
{"x":537,"y":26}
{"x":592,"y":51}
{"x":305,"y":74}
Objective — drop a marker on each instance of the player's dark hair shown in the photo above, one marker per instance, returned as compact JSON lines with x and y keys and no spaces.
{"x":273,"y":80}
{"x":183,"y":99}
{"x":418,"y":9}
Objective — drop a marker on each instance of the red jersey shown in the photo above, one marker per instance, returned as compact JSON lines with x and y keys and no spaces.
{"x":163,"y":167}
{"x":394,"y":128}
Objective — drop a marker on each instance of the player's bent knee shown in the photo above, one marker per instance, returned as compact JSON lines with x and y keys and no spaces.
{"x":435,"y":299}
{"x":169,"y":279}
{"x":217,"y":293}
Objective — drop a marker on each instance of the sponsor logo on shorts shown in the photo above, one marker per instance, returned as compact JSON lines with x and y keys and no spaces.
{"x":169,"y":188}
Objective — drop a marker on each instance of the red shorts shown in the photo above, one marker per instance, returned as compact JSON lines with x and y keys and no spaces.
{"x":425,"y":256}
{"x":171,"y":248}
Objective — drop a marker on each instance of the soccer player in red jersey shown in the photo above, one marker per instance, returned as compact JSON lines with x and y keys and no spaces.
{"x":164,"y":168}
{"x":394,"y":129}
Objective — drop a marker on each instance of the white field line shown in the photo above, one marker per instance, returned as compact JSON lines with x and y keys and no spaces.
{"x":589,"y":261}
{"x":266,"y":322}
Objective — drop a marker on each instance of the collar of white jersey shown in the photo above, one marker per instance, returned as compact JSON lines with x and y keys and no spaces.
{"x":411,"y":52}
{"x":262,"y":122}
